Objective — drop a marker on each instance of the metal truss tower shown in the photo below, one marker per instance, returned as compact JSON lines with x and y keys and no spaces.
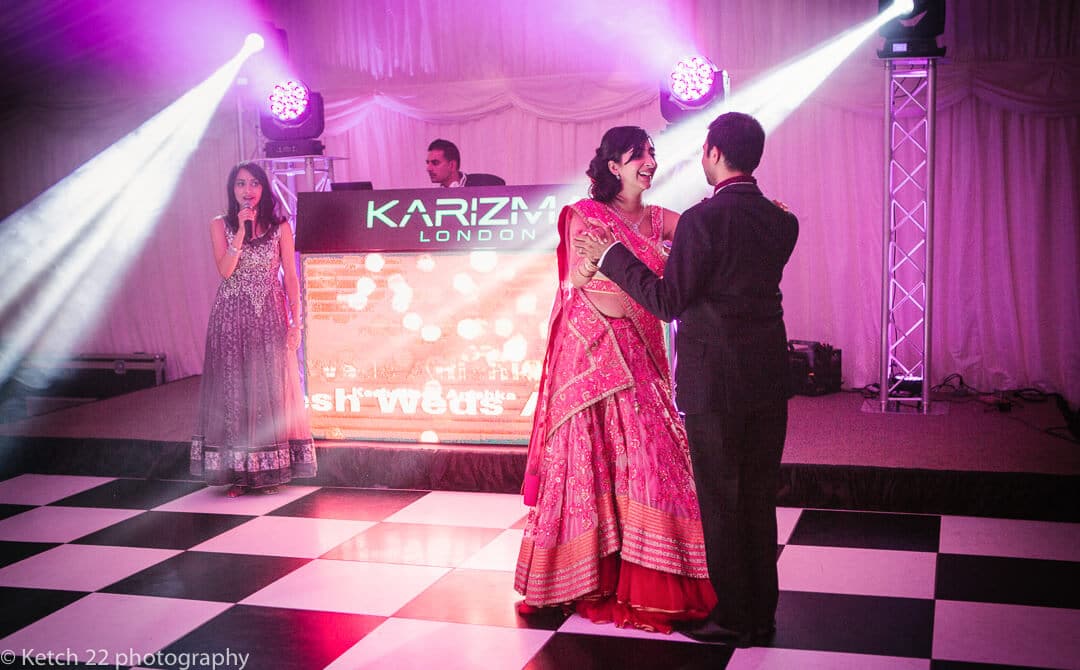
{"x":907,"y":238}
{"x":290,"y":175}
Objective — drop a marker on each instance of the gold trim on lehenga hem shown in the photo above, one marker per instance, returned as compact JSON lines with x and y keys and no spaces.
{"x":569,"y":571}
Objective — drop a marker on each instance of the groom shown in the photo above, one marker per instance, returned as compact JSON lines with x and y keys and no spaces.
{"x":722,"y":282}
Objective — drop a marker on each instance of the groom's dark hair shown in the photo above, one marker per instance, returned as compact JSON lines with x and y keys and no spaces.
{"x":740,"y":138}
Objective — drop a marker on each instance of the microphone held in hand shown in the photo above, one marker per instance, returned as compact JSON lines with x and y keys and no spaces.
{"x":248,"y":222}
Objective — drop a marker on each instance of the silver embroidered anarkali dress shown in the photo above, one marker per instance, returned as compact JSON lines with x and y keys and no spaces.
{"x":252,"y":429}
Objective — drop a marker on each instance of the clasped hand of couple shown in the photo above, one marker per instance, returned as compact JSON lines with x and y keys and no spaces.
{"x":594,"y":241}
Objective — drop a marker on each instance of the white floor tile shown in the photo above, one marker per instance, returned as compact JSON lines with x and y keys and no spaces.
{"x":1010,"y":537}
{"x":45,"y":489}
{"x":113,"y":627}
{"x":584,"y":626}
{"x":1044,"y":637}
{"x":80,"y":567}
{"x":786,"y":518}
{"x":409,"y":644}
{"x":870,"y":572}
{"x":455,"y":508}
{"x":212,"y":500}
{"x":347,"y":586}
{"x":500,"y":554}
{"x":60,"y":524}
{"x":285,"y":536}
{"x":766,"y":658}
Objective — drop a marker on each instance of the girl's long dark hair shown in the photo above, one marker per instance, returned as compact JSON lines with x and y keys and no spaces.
{"x":266,"y":210}
{"x":616,"y":142}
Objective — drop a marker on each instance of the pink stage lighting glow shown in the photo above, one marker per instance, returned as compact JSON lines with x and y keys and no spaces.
{"x":693,"y":78}
{"x":289,"y":100}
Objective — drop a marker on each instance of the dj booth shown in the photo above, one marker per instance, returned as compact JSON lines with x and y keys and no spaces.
{"x":426,"y":310}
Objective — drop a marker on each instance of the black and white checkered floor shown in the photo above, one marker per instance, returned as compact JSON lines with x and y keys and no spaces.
{"x":172,"y":574}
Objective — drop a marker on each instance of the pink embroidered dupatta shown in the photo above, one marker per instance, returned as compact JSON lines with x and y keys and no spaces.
{"x":583,"y":363}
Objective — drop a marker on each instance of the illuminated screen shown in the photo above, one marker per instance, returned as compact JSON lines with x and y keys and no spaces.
{"x":426,"y":347}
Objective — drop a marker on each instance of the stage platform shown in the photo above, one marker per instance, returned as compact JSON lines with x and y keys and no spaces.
{"x":972,"y":460}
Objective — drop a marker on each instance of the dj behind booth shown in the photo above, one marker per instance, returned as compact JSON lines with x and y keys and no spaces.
{"x":426,"y":310}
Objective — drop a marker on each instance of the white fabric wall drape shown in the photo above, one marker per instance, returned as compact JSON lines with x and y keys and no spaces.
{"x":527,"y":91}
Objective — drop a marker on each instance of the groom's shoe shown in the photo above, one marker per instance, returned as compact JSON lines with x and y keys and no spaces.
{"x":762,"y":636}
{"x":710,"y":631}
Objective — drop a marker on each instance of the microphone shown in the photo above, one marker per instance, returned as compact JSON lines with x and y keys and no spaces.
{"x":248,"y":223}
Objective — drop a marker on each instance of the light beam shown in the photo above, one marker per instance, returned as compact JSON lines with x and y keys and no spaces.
{"x":770,"y":98}
{"x":252,"y":43}
{"x":68,"y":248}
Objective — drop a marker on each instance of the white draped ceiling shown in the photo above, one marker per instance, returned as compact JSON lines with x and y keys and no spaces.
{"x":526,"y":90}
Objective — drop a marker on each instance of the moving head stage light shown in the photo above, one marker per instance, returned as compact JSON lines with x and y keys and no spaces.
{"x":292,"y":120}
{"x":695,"y":82}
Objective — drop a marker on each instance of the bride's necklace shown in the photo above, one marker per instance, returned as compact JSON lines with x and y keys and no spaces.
{"x":632,"y":224}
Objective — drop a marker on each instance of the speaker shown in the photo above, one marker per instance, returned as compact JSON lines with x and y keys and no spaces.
{"x":814,"y":367}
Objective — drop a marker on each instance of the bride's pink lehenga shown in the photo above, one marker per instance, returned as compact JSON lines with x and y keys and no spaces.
{"x":615,"y":528}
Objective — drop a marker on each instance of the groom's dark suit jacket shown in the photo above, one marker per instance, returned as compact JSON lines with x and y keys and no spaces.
{"x":722,"y":283}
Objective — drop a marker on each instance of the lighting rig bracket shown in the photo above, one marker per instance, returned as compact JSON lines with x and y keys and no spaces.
{"x":913,"y":35}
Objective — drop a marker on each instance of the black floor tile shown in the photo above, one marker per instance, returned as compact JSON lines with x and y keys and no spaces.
{"x":23,"y":607}
{"x":131,"y":494}
{"x":480,"y":597}
{"x":350,"y":504}
{"x":7,"y":510}
{"x":164,"y":530}
{"x":867,"y":530}
{"x":281,"y":639}
{"x":414,"y":544}
{"x":600,"y":652}
{"x":13,"y":552}
{"x":287,"y":639}
{"x":1015,"y":581}
{"x":207,"y":576}
{"x":855,"y":624}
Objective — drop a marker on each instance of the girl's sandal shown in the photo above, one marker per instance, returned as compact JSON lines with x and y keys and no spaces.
{"x":235,"y":491}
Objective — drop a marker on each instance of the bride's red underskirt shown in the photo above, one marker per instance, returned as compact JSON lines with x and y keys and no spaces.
{"x":632,"y":596}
